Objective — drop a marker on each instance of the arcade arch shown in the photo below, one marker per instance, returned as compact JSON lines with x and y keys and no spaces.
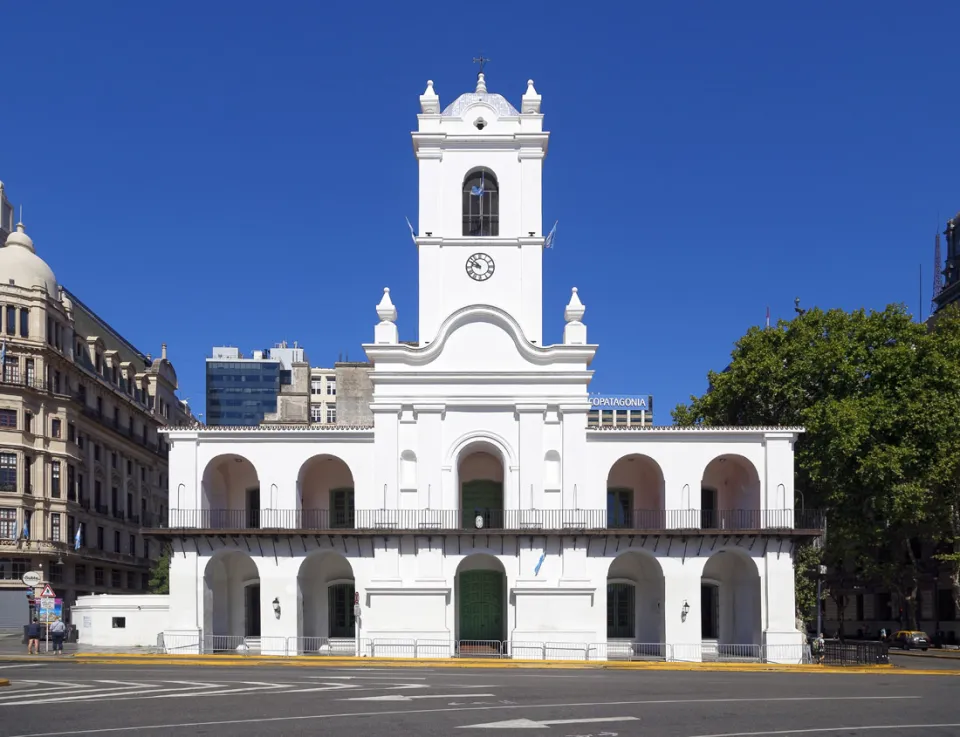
{"x":231,"y":600}
{"x":730,"y":599}
{"x":230,"y":493}
{"x":326,"y":490}
{"x":480,"y":477}
{"x":635,"y":493}
{"x":730,"y":496}
{"x":480,"y":592}
{"x":635,"y":590}
{"x":325,"y":589}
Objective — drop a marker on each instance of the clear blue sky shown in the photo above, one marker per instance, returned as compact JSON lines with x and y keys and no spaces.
{"x":238,"y":173}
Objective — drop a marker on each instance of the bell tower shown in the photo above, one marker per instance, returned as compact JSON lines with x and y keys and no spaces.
{"x":480,"y":219}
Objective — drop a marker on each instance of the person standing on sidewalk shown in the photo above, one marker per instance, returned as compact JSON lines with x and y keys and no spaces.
{"x":58,"y":631}
{"x":33,"y":637}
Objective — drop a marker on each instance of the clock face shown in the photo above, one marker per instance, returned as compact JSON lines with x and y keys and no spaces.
{"x":480,"y":267}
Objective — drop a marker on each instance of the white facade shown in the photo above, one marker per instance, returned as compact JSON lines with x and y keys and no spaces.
{"x":478,"y":513}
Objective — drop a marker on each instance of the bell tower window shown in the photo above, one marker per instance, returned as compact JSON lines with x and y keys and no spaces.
{"x":481,"y":204}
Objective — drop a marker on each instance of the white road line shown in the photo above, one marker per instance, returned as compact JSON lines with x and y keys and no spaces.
{"x":25,"y":665}
{"x":371,"y":678}
{"x":530,"y":724}
{"x":252,"y":686}
{"x":500,"y":707}
{"x":401,"y":697}
{"x":824,"y":730}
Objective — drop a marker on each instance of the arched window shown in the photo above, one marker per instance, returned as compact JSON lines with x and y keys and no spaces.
{"x":481,"y":204}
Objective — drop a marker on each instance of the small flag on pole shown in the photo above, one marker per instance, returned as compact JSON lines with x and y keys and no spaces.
{"x":413,"y":236}
{"x":3,"y":360}
{"x":76,"y":538}
{"x":551,"y":236}
{"x":536,"y":571}
{"x":478,"y":191}
{"x":26,"y":530}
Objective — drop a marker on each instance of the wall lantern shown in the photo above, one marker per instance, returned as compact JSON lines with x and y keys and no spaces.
{"x":276,"y":607}
{"x":683,"y":611}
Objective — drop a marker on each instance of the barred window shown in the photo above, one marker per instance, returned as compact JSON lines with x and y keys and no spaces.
{"x":481,"y":204}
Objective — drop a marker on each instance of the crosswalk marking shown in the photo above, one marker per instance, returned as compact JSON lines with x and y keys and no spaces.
{"x":31,"y":692}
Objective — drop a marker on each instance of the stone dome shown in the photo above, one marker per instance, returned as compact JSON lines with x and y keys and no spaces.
{"x":498,"y":102}
{"x":20,"y":264}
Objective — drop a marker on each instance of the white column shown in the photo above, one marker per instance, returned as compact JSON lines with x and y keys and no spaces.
{"x":531,"y":453}
{"x":386,"y":418}
{"x":681,"y":590}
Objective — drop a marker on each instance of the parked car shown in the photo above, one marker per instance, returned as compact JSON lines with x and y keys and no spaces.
{"x":909,"y":639}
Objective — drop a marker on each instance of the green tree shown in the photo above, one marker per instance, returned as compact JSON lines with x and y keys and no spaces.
{"x":160,"y":573}
{"x":878,"y":395}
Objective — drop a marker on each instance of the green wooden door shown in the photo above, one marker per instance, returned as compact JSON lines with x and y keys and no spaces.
{"x":481,"y":605}
{"x":485,"y":499}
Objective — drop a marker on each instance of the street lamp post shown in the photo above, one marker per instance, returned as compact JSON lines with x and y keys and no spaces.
{"x":821,"y":572}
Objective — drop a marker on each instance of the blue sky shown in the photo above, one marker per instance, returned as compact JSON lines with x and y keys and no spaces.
{"x":238,"y":173}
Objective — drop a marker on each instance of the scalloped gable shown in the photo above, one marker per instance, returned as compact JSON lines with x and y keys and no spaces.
{"x":481,"y":338}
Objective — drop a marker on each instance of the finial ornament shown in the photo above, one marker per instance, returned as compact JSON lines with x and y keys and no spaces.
{"x":429,"y":100}
{"x":385,"y":310}
{"x":575,"y":309}
{"x":481,"y":85}
{"x":386,"y":333}
{"x":530,"y":102}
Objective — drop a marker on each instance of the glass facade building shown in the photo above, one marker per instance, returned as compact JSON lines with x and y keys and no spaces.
{"x":241,"y":392}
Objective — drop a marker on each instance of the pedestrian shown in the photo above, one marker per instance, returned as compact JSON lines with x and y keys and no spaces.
{"x":818,"y":648}
{"x":58,"y":630}
{"x":33,"y":637}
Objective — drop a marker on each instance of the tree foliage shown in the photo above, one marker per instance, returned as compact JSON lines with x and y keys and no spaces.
{"x":160,"y":573}
{"x":879,"y":397}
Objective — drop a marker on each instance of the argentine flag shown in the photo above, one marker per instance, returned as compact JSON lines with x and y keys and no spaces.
{"x":551,"y":236}
{"x":76,"y":538}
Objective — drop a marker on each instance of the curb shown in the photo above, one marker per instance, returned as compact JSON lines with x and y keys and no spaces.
{"x":327,"y":662}
{"x":941,"y":655}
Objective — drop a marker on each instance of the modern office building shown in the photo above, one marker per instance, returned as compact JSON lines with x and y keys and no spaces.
{"x":82,"y":466}
{"x":242,"y":391}
{"x":479,"y":512}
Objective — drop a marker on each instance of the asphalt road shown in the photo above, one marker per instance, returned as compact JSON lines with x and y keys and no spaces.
{"x":63,"y":698}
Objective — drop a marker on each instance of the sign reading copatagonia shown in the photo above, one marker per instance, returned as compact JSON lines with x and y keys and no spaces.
{"x":637,"y":403}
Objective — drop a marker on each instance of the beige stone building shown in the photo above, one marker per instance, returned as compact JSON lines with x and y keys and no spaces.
{"x":79,"y":450}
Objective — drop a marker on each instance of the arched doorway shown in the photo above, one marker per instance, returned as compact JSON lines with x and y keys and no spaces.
{"x":481,"y":596}
{"x":230,"y":494}
{"x":730,"y":495}
{"x":326,"y":494}
{"x":635,"y":589}
{"x":635,"y":494}
{"x":730,"y":600}
{"x":231,"y":601}
{"x":480,"y":474}
{"x":326,"y":589}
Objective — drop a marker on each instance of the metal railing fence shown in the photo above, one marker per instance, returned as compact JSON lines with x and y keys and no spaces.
{"x":472,"y":520}
{"x":425,"y":648}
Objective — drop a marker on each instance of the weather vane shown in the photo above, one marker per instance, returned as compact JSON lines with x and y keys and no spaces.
{"x":481,"y":60}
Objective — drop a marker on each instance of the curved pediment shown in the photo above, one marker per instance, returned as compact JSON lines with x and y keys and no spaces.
{"x":481,"y":338}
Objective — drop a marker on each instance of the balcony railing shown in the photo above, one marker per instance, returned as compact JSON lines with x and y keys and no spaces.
{"x":560,"y":520}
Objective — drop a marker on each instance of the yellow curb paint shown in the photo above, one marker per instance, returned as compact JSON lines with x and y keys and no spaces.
{"x":325,"y":662}
{"x":4,"y":682}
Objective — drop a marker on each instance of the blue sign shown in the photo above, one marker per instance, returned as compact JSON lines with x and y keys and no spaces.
{"x":623,"y":402}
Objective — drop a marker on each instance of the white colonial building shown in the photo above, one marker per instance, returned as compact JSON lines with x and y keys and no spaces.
{"x":478,"y":513}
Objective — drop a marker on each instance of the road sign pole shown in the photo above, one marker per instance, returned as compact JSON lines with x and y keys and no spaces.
{"x":356,"y":623}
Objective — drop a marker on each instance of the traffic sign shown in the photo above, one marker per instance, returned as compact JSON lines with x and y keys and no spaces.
{"x":32,"y":578}
{"x":47,"y":593}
